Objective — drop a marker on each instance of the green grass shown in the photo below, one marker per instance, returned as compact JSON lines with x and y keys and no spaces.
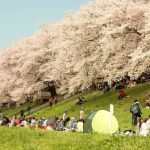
{"x":32,"y":139}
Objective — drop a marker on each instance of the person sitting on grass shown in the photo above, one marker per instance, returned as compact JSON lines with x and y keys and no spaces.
{"x":43,"y":123}
{"x":148,"y":123}
{"x":33,"y":122}
{"x":80,"y":124}
{"x":5,"y":121}
{"x":40,"y":122}
{"x":12,"y":123}
{"x":144,"y":129}
{"x":36,"y":123}
{"x":24,"y":123}
{"x":18,"y":121}
{"x":52,"y":124}
{"x":106,"y":87}
{"x":122,"y":95}
{"x":147,"y":103}
{"x":60,"y":125}
{"x":81,"y":101}
{"x":72,"y":124}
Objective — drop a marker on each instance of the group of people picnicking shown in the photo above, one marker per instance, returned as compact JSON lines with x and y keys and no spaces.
{"x":125,"y":82}
{"x":64,"y":123}
{"x":117,"y":84}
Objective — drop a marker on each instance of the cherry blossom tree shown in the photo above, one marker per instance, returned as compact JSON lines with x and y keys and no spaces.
{"x":104,"y":40}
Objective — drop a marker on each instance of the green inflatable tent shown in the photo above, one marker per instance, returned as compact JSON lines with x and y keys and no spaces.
{"x":99,"y":122}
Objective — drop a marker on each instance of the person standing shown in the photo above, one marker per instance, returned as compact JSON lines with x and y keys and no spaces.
{"x":65,"y":118}
{"x":50,"y":102}
{"x":138,"y":126}
{"x":82,"y":114}
{"x":64,"y":115}
{"x":55,"y":100}
{"x":135,"y":109}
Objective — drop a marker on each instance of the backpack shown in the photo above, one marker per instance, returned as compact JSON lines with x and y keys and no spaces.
{"x":135,"y":109}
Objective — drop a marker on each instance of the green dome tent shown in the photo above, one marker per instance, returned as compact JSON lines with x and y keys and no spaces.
{"x":99,"y":122}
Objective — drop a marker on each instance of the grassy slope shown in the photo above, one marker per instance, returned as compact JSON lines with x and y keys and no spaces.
{"x":97,"y":100}
{"x":31,"y":139}
{"x":11,"y":111}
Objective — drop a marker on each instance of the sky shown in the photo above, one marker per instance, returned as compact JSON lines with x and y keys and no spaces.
{"x":22,"y":18}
